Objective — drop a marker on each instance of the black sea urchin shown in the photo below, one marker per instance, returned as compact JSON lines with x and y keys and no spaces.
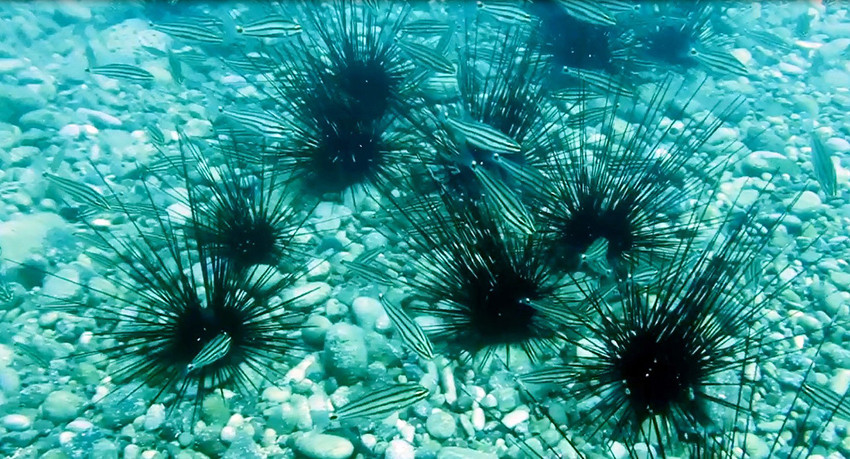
{"x":345,"y":89}
{"x":249,"y":217}
{"x":181,"y":316}
{"x":626,"y":183}
{"x":656,"y":364}
{"x":488,"y":289}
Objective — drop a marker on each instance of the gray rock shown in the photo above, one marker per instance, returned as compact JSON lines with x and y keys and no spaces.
{"x":374,"y":240}
{"x":441,"y":425}
{"x":65,"y":284}
{"x":768,"y":162}
{"x":17,"y":100}
{"x":104,"y":449}
{"x":808,"y":204}
{"x":16,"y":422}
{"x":308,"y":295}
{"x":345,"y":353}
{"x":324,"y":446}
{"x":456,"y":452}
{"x":366,"y":311}
{"x":314,"y":330}
{"x":25,"y":234}
{"x":62,"y":406}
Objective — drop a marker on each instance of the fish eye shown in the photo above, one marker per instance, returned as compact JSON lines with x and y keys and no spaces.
{"x":693,"y":52}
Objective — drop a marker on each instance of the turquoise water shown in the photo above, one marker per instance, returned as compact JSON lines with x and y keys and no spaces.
{"x":496,"y":229}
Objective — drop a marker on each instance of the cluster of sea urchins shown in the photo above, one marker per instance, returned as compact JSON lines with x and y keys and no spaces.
{"x":550,"y":204}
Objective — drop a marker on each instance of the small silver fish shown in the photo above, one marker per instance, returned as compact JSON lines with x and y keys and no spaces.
{"x":122,"y":72}
{"x":483,"y":136}
{"x":589,"y":12}
{"x":426,"y":57}
{"x":824,"y":167}
{"x":200,"y":30}
{"x":506,"y":11}
{"x":382,"y":402}
{"x":411,"y":333}
{"x":274,"y":26}
{"x":211,"y":352}
{"x":503,"y":201}
{"x":79,"y":191}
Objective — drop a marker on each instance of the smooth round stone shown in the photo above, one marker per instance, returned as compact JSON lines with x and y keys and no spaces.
{"x":16,"y":422}
{"x":277,"y":394}
{"x":155,"y":417}
{"x":441,"y":425}
{"x":515,"y":418}
{"x":808,"y":203}
{"x":456,"y":452}
{"x":308,"y":295}
{"x":838,"y":144}
{"x":324,"y":446}
{"x":768,"y":162}
{"x":314,"y":330}
{"x":345,"y":353}
{"x":61,"y":406}
{"x":10,"y":382}
{"x":400,"y":449}
{"x":366,"y":311}
{"x":374,"y":240}
{"x":319,"y":270}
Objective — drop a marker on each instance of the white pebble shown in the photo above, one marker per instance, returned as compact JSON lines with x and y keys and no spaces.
{"x":16,"y":422}
{"x":277,"y":394}
{"x":150,"y":454}
{"x":618,"y":450}
{"x":297,"y":373}
{"x":79,"y":425}
{"x":400,"y":449}
{"x":515,"y":418}
{"x":65,"y":437}
{"x":155,"y":417}
{"x":406,"y":430}
{"x":72,"y":130}
{"x":478,"y":419}
{"x":236,"y":420}
{"x":447,"y":380}
{"x":90,"y":130}
{"x":132,"y":451}
{"x":369,"y":441}
{"x":228,"y":434}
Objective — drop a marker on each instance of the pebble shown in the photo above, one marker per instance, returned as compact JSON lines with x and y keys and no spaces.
{"x":366,"y":311}
{"x":61,"y":406}
{"x":155,"y":417}
{"x":515,"y":418}
{"x":457,"y":452}
{"x":840,"y":382}
{"x":10,"y":64}
{"x":808,"y":203}
{"x":768,"y":162}
{"x":308,"y":295}
{"x":319,"y":270}
{"x":756,"y":447}
{"x":99,"y":118}
{"x":16,"y":422}
{"x":345,"y":354}
{"x":277,"y":394}
{"x":79,"y":425}
{"x":441,"y":425}
{"x":400,"y":449}
{"x":838,"y":144}
{"x":314,"y":330}
{"x":840,"y":279}
{"x":374,"y":240}
{"x":323,"y":446}
{"x":198,"y":128}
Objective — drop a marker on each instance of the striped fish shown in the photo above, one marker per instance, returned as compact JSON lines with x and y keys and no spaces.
{"x":251,"y":63}
{"x":589,"y":12}
{"x":483,"y":136}
{"x":78,"y":191}
{"x":828,"y":399}
{"x":382,"y":402}
{"x":176,"y":67}
{"x":274,"y":26}
{"x":213,"y":351}
{"x":425,"y":27}
{"x":155,"y":134}
{"x":528,"y":176}
{"x":122,"y":72}
{"x":265,"y":123}
{"x":410,"y":331}
{"x":595,"y":257}
{"x":720,"y":61}
{"x":200,"y":30}
{"x":598,"y":81}
{"x":824,"y":167}
{"x":426,"y":57}
{"x":503,"y":200}
{"x":508,"y":12}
